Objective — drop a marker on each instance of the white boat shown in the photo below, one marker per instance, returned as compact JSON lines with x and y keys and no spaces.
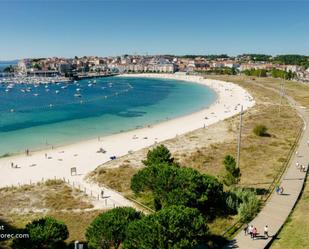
{"x":89,"y":84}
{"x":77,"y":95}
{"x":36,"y":94}
{"x":57,"y":91}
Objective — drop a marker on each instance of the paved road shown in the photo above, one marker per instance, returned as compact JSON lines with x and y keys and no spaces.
{"x":278,"y":207}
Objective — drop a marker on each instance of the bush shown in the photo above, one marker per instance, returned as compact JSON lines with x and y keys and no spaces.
{"x":249,"y":206}
{"x":260,"y":130}
{"x":47,"y":233}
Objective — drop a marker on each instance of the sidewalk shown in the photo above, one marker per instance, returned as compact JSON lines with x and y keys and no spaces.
{"x":278,"y":207}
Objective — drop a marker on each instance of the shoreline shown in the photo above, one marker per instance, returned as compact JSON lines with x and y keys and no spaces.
{"x":84,"y":155}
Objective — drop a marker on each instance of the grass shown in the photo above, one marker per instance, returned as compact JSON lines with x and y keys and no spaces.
{"x":20,"y":205}
{"x":204,"y":149}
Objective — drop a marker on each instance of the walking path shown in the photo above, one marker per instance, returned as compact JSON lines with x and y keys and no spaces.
{"x":278,"y":207}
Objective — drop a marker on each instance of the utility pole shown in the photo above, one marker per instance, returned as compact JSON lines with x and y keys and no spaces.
{"x":239,"y":137}
{"x":281,"y":94}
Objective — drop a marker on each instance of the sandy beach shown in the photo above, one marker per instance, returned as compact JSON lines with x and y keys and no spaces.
{"x":87,"y":155}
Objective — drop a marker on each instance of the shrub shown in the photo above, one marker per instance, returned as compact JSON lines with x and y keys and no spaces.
{"x":249,"y":206}
{"x":260,"y":130}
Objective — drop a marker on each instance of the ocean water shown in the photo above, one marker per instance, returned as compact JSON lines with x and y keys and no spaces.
{"x":36,"y":117}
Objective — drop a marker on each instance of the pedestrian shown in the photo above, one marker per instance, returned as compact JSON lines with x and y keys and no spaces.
{"x":45,"y":155}
{"x":281,"y":190}
{"x":102,"y":193}
{"x":246,"y":227}
{"x":250,"y":230}
{"x":12,"y":165}
{"x":297,"y":153}
{"x":297,"y":165}
{"x":277,"y":189}
{"x":302,"y":168}
{"x":254,"y":233}
{"x":266,"y":231}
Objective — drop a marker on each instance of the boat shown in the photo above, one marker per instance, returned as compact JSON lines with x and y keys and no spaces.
{"x":36,"y":94}
{"x":77,"y":95}
{"x":57,"y":91}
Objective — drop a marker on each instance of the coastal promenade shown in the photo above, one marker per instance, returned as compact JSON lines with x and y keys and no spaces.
{"x":57,"y":162}
{"x":279,"y":206}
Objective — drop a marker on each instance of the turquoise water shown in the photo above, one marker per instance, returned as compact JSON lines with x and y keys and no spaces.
{"x":50,"y":114}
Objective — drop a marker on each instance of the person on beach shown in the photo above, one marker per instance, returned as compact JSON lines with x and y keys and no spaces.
{"x":102,"y":193}
{"x":12,"y":165}
{"x":297,"y":164}
{"x":45,"y":155}
{"x":281,"y":190}
{"x":246,"y":228}
{"x":266,"y":231}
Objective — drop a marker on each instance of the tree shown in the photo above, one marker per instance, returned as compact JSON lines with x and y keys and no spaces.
{"x":175,"y":227}
{"x":232,"y":175}
{"x":44,"y":233}
{"x":172,"y":185}
{"x":109,"y":228}
{"x":260,"y":130}
{"x":158,"y":155}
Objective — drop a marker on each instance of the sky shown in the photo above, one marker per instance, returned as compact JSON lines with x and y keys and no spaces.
{"x":67,"y":28}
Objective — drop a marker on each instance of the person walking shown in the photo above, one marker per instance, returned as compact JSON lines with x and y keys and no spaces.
{"x":250,"y":230}
{"x":266,"y":231}
{"x":102,"y":193}
{"x":277,"y":189}
{"x":246,"y":228}
{"x":254,"y":233}
{"x":281,"y":190}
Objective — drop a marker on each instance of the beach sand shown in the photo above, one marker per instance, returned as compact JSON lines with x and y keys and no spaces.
{"x":84,"y":156}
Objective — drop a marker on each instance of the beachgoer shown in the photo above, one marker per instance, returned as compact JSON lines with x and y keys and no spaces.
{"x":266,"y":231}
{"x":45,"y":155}
{"x":281,"y":190}
{"x":254,"y":233}
{"x":12,"y":165}
{"x":297,"y":165}
{"x":246,"y":228}
{"x":102,"y":193}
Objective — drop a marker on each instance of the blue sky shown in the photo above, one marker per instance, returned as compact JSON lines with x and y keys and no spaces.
{"x":67,"y":28}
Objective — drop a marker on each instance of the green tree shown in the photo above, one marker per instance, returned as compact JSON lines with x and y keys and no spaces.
{"x":175,"y":227}
{"x":45,"y":233}
{"x":109,"y":228}
{"x":158,"y":155}
{"x":232,"y":175}
{"x":171,"y":185}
